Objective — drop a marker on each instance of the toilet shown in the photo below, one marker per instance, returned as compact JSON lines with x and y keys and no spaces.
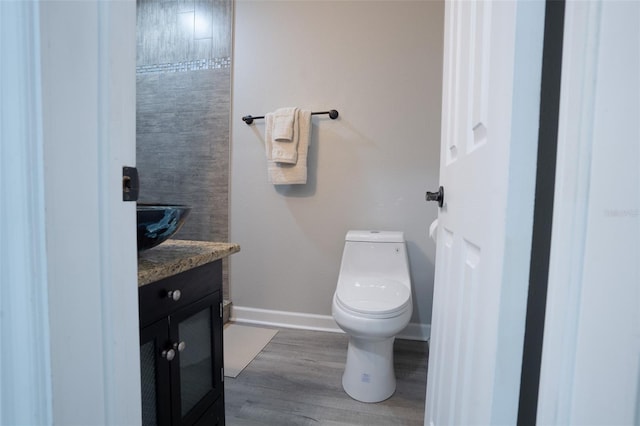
{"x":372,"y":304}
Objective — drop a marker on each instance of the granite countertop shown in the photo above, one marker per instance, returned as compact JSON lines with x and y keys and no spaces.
{"x":175,"y":256}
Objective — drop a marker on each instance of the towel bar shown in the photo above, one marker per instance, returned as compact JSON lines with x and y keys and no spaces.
{"x":333,"y":114}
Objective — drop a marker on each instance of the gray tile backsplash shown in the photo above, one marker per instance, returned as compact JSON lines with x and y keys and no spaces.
{"x":177,"y":31}
{"x":183,"y":106}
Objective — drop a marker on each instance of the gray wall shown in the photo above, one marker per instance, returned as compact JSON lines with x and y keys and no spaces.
{"x":183,"y":103}
{"x":380,"y":64}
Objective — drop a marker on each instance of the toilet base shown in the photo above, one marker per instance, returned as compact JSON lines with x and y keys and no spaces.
{"x":368,"y":373}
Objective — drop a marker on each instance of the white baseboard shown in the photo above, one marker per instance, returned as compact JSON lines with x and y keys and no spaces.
{"x":298,"y":320}
{"x":302,"y":321}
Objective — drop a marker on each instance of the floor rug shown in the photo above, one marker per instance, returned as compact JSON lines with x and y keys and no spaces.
{"x":241,"y":345}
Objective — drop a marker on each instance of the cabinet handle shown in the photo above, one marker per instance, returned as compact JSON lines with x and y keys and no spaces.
{"x":180,"y":346}
{"x":169,"y":354}
{"x":174,"y":295}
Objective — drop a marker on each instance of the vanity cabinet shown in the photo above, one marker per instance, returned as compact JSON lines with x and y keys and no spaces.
{"x":181,"y":358}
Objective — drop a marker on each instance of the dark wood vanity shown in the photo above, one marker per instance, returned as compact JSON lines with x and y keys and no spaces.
{"x":181,"y":353}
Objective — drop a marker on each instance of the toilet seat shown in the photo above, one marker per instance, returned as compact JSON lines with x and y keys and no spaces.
{"x":374,"y":297}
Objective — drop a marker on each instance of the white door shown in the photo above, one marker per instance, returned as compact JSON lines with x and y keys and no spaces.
{"x":590,"y":371}
{"x":492,"y":68}
{"x":88,"y":109}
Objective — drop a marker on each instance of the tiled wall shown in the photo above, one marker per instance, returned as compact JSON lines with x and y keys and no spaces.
{"x":183,"y":105}
{"x":174,"y":31}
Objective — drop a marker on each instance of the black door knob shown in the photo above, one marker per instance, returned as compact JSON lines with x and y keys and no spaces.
{"x":436,"y":196}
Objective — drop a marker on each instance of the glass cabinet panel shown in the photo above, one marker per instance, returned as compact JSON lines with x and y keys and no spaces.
{"x":181,"y":349}
{"x":196,"y":373}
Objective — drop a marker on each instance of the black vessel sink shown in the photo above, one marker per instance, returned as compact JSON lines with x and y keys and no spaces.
{"x":158,"y":222}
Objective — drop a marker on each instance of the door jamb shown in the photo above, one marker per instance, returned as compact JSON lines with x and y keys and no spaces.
{"x":543,"y":211}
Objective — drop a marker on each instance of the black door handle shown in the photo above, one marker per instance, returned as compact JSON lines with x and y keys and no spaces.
{"x":436,"y":196}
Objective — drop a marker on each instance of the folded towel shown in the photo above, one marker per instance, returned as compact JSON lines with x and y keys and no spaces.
{"x":268,"y":135}
{"x":287,"y":174}
{"x":285,"y":152}
{"x":283,"y":130}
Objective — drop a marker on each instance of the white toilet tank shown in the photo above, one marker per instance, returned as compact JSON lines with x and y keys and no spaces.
{"x":379,"y":254}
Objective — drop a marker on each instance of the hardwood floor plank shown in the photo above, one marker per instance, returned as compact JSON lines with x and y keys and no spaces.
{"x":297,"y":380}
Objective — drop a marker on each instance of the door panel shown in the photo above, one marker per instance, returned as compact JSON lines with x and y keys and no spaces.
{"x":87,"y":55}
{"x":460,"y":256}
{"x":490,"y":111}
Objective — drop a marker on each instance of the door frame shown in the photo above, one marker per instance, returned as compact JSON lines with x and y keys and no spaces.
{"x":585,"y":51}
{"x":80,"y":365}
{"x":25,"y":367}
{"x":543,"y":211}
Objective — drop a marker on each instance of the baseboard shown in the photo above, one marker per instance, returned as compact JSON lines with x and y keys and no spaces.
{"x":302,"y":321}
{"x":243,"y":315}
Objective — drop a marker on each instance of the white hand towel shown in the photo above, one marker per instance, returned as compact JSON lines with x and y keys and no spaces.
{"x":284,"y":120}
{"x":268,"y":135}
{"x":289,"y":174}
{"x":277,"y":152}
{"x":285,"y":152}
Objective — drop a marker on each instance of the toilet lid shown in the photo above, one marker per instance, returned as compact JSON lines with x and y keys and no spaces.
{"x":374,"y":295}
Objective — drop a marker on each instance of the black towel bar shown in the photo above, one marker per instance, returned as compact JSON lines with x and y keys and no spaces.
{"x":333,"y":114}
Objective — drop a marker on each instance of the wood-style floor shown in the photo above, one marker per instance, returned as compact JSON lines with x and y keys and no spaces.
{"x":296,"y":380}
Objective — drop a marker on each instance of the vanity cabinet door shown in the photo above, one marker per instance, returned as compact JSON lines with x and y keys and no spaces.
{"x":196,"y":372}
{"x":154,"y":372}
{"x":181,"y":349}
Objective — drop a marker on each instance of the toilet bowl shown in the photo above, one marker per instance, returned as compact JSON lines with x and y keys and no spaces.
{"x":372,"y":304}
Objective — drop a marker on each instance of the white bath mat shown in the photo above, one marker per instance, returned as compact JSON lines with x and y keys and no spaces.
{"x":242,"y":344}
